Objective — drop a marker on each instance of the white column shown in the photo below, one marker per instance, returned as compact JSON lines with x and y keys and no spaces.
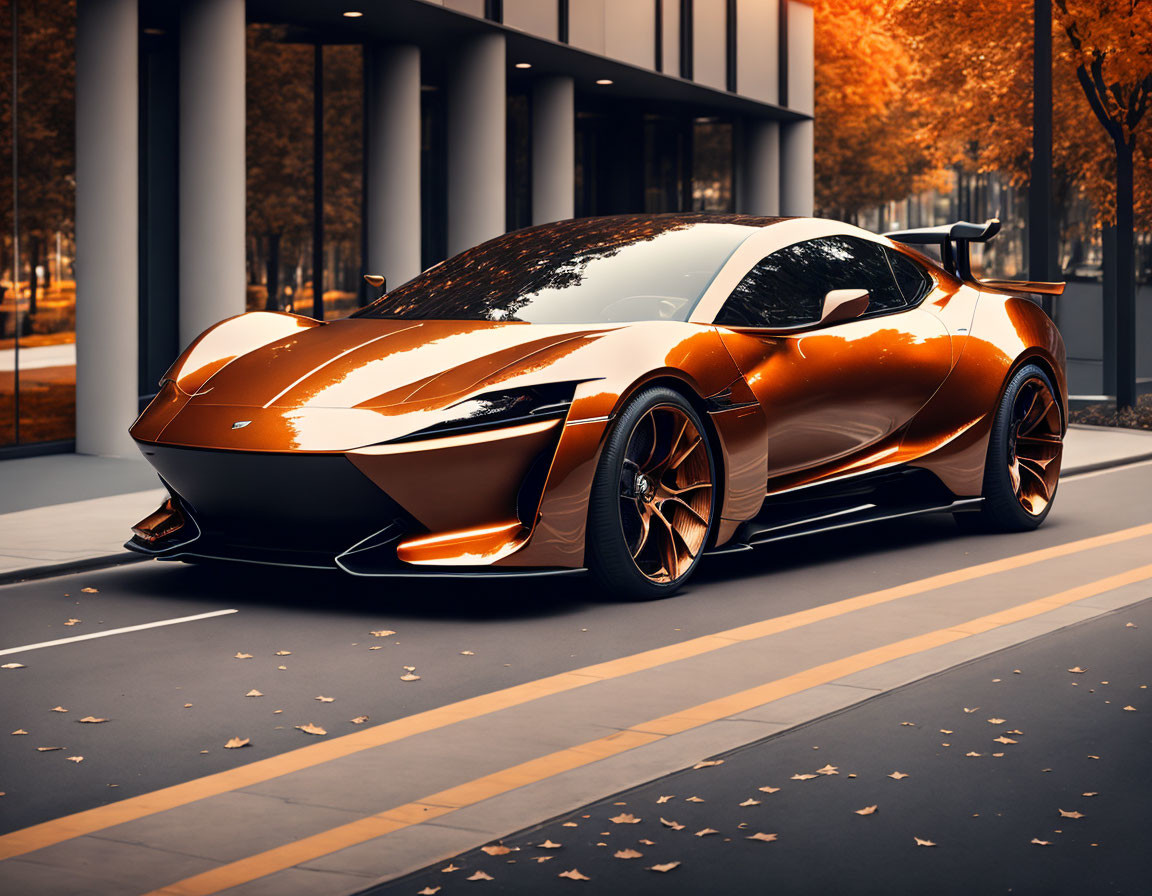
{"x":107,"y":226}
{"x":553,"y":150}
{"x":797,"y":171}
{"x":476,"y":143}
{"x":393,"y":164}
{"x":212,"y":164}
{"x":758,"y":175}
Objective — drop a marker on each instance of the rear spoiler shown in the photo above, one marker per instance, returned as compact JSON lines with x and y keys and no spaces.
{"x":954,"y":241}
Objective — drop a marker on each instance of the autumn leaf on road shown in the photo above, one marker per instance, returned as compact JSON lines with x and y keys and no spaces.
{"x":91,"y":720}
{"x":827,"y":770}
{"x":383,"y":633}
{"x":359,"y":720}
{"x":1066,"y":814}
{"x":573,"y":874}
{"x":867,"y":810}
{"x":467,"y":653}
{"x":624,"y":818}
{"x":90,"y":590}
{"x":920,"y":842}
{"x":1129,"y":709}
{"x":253,"y":693}
{"x":803,"y":777}
{"x":428,"y":891}
{"x":72,"y":622}
{"x":283,"y":653}
{"x":75,"y":758}
{"x":236,"y":743}
{"x":326,"y":699}
{"x":769,"y":789}
{"x":480,"y":875}
{"x":409,"y":676}
{"x":59,"y":709}
{"x":1041,"y":842}
{"x":1077,"y":670}
{"x":704,"y":832}
{"x":667,"y":866}
{"x":243,"y":656}
{"x":675,"y":825}
{"x":973,"y":754}
{"x":47,"y":749}
{"x":908,"y":724}
{"x":19,"y":731}
{"x":750,"y":802}
{"x":766,"y":838}
{"x":548,"y":844}
{"x":706,"y":763}
{"x":693,"y":799}
{"x":662,"y":799}
{"x":312,"y":729}
{"x":448,"y":868}
{"x":627,"y":854}
{"x":996,"y":721}
{"x":498,"y":849}
{"x":1004,"y":740}
{"x":971,"y":709}
{"x":13,"y":666}
{"x":896,"y":776}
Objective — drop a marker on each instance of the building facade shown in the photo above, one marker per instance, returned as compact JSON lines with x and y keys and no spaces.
{"x":164,"y":165}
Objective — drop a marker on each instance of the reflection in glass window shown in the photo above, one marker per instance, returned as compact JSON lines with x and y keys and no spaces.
{"x":912,"y":279}
{"x":585,"y":271}
{"x":787,"y":288}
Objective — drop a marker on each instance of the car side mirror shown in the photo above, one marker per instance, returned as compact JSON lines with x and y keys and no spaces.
{"x":843,"y":304}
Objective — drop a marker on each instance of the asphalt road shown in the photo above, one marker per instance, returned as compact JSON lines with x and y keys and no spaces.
{"x":1049,"y":800}
{"x":463,"y":639}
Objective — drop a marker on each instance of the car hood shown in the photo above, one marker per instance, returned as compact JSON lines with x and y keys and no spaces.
{"x":381,"y":364}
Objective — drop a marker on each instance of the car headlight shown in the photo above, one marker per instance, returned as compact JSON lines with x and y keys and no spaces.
{"x":503,"y":408}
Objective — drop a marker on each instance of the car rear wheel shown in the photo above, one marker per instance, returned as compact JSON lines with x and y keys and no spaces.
{"x":653,"y":499}
{"x":1024,"y":451}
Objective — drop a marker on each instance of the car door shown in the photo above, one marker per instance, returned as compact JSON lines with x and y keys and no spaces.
{"x":836,"y":397}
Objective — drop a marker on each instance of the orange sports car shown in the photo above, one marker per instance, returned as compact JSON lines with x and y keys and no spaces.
{"x":615,"y":395}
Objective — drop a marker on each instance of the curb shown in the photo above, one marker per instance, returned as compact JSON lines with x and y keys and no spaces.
{"x":89,"y":564}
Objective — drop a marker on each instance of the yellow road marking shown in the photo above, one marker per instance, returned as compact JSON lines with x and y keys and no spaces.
{"x":535,"y":770}
{"x":89,"y":821}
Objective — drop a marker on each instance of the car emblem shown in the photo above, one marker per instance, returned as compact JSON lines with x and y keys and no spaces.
{"x":240,"y":424}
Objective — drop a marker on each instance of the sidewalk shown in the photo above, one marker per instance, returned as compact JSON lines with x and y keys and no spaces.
{"x":1015,"y":773}
{"x":70,"y":512}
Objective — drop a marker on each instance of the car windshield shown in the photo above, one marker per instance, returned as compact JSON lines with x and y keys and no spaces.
{"x":588,"y":271}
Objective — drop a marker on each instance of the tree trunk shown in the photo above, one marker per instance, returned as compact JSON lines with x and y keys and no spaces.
{"x":1125,"y":279}
{"x":33,"y":279}
{"x":272,"y":278}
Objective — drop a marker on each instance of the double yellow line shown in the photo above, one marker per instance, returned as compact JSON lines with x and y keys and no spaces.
{"x":61,"y":829}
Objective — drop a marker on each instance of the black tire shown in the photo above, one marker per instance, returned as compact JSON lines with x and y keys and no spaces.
{"x":621,"y":550}
{"x":1017,"y":498}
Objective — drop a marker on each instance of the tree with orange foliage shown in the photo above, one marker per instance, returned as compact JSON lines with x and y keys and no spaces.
{"x":865,"y":118}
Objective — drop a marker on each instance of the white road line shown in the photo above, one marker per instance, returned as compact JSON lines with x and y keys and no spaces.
{"x":115,"y":631}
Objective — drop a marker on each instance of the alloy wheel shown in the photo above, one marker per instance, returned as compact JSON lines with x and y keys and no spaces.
{"x":1035,"y":445}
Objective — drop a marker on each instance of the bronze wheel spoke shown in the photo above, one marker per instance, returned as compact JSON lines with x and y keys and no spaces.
{"x":675,"y":463}
{"x":676,"y":491}
{"x":1035,"y":447}
{"x":667,"y":546}
{"x":1037,"y":473}
{"x":683,"y":505}
{"x":645,"y":528}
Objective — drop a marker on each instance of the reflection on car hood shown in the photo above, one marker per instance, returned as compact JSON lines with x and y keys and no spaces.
{"x":386,"y":363}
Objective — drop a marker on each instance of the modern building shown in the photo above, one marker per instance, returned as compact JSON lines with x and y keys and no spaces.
{"x":165,"y":164}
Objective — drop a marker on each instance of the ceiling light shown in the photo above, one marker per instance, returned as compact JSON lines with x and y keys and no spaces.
{"x":352,"y":14}
{"x":523,"y":65}
{"x":604,"y":81}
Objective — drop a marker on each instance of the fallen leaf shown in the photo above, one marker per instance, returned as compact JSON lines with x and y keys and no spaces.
{"x":408,"y":676}
{"x":705,"y":763}
{"x":1017,"y":672}
{"x":827,"y":770}
{"x":662,"y":799}
{"x":1130,"y":625}
{"x":282,"y":668}
{"x":1005,"y":740}
{"x":573,"y":874}
{"x":59,"y":709}
{"x":803,"y":777}
{"x":72,"y":622}
{"x":667,"y":866}
{"x":570,"y":824}
{"x":90,"y":590}
{"x":945,"y":745}
{"x":236,"y":743}
{"x":704,"y":832}
{"x":867,"y":810}
{"x":326,"y":699}
{"x":624,"y":818}
{"x":997,"y":755}
{"x":750,"y":802}
{"x":377,"y":647}
{"x":675,"y":825}
{"x":428,"y":891}
{"x":647,"y":842}
{"x":91,"y":720}
{"x":769,"y":789}
{"x":896,"y":776}
{"x":693,"y":799}
{"x":187,"y":705}
{"x":13,"y":666}
{"x":627,"y":854}
{"x":767,"y":838}
{"x":946,"y":731}
{"x":1014,"y":731}
{"x":1090,"y":756}
{"x":1129,"y":709}
{"x":283,"y":653}
{"x":548,"y":844}
{"x":920,"y":842}
{"x":359,"y":720}
{"x":75,"y":758}
{"x":1066,"y":814}
{"x":994,"y":680}
{"x":19,"y":731}
{"x":467,"y":653}
{"x":973,"y":709}
{"x":1077,"y":670}
{"x":480,"y":875}
{"x":908,"y":724}
{"x":1041,"y":842}
{"x":496,"y":850}
{"x":312,"y":729}
{"x":1091,"y":793}
{"x":973,"y":754}
{"x":243,"y":656}
{"x":47,"y":749}
{"x":996,"y":721}
{"x":449,"y":868}
{"x":544,"y":858}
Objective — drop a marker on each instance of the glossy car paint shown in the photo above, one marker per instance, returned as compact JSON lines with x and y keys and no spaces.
{"x":783,"y":409}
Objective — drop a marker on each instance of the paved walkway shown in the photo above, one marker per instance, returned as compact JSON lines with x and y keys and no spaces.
{"x":71,"y":511}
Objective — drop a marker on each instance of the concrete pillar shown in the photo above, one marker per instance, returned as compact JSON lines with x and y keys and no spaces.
{"x":107,"y":226}
{"x":797,"y":170}
{"x":393,"y":164}
{"x":553,"y":149}
{"x":758,"y":174}
{"x":212,"y":164}
{"x":476,"y":143}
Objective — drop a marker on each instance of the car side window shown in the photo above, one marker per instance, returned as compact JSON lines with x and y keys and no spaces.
{"x":787,"y":288}
{"x":912,"y":279}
